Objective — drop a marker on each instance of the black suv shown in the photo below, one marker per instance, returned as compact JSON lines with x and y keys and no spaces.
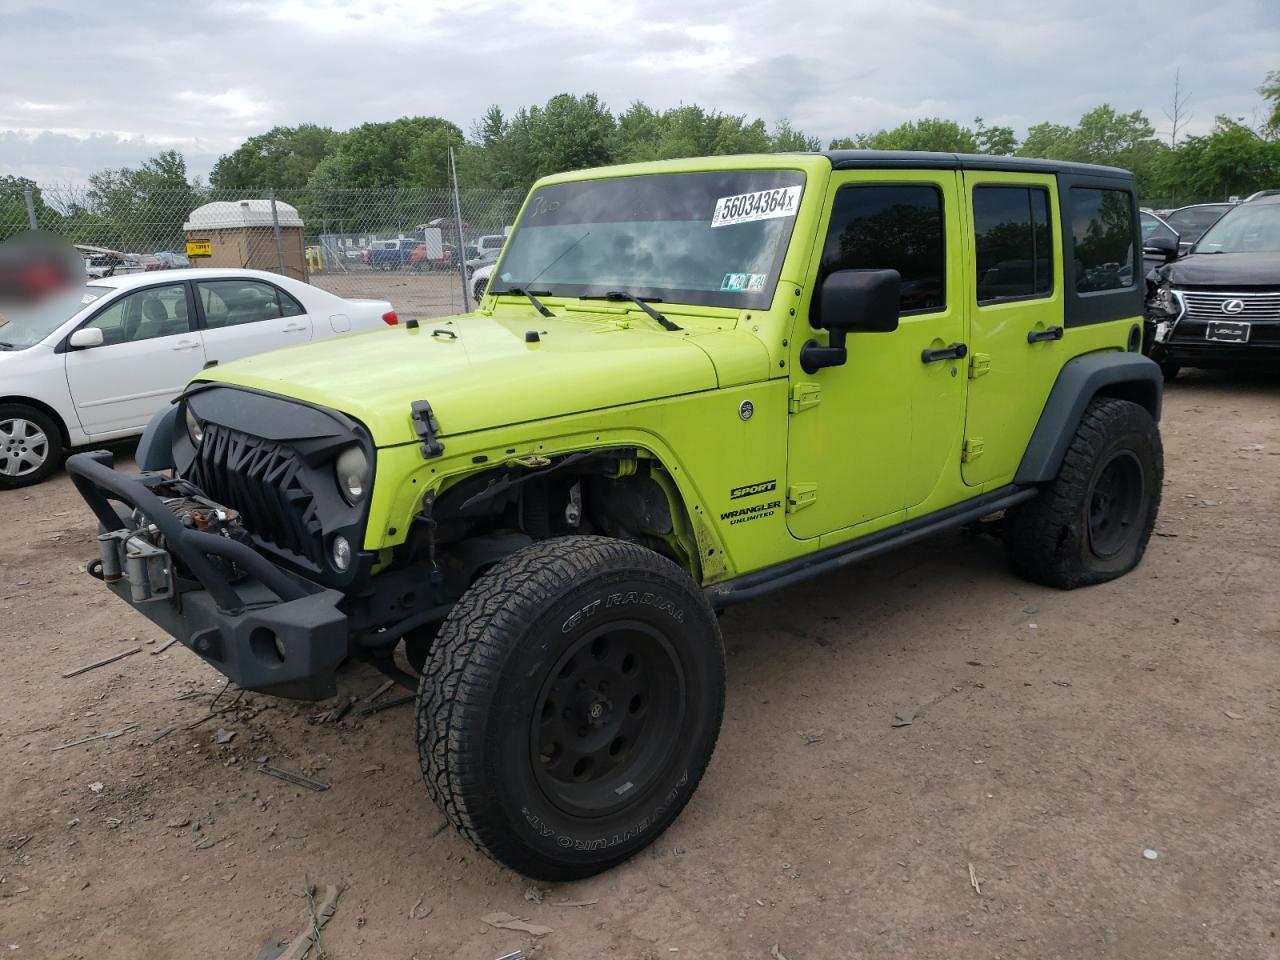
{"x":1220,"y":304}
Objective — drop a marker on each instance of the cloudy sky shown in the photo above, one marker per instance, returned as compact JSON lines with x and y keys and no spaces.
{"x":87,"y":85}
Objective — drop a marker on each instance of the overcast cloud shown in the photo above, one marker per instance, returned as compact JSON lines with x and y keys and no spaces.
{"x":89,"y":85}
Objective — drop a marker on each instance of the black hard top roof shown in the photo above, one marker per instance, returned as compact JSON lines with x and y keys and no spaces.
{"x":919,"y":159}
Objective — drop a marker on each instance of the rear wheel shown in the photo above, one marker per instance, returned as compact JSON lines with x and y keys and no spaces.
{"x":1092,"y":522}
{"x":30,"y":446}
{"x":570,"y":705}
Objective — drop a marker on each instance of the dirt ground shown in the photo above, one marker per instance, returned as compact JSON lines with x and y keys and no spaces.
{"x":1056,"y":737}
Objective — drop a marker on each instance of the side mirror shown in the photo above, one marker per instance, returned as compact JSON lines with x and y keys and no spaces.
{"x":851,"y":301}
{"x":1165,"y":248}
{"x":86,"y":337}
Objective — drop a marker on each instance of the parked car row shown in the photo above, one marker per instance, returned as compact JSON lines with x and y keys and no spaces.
{"x":1214,"y":300}
{"x":96,"y":363}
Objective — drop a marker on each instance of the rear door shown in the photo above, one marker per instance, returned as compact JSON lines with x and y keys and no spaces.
{"x":150,"y":350}
{"x":242,"y":317}
{"x":1016,"y":304}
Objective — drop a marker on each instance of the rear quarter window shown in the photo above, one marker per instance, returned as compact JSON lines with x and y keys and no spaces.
{"x":1102,"y":239}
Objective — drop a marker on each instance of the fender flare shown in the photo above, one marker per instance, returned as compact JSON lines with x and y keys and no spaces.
{"x":155,"y":449}
{"x":1126,"y":376}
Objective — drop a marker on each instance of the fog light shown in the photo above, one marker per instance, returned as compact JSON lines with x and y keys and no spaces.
{"x":341,"y":553}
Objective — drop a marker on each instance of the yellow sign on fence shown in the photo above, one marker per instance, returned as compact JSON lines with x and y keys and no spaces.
{"x":199,"y":248}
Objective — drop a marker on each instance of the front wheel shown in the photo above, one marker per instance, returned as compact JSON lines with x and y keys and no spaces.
{"x":30,"y":446}
{"x":570,"y":705}
{"x":1092,"y":522}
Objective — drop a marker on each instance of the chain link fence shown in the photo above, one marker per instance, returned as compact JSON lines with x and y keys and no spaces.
{"x":408,"y":245}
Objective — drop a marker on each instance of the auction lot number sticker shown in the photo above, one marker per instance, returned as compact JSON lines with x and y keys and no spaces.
{"x":761,"y":205}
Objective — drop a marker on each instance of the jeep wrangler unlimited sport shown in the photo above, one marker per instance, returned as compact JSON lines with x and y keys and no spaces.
{"x":690,"y":383}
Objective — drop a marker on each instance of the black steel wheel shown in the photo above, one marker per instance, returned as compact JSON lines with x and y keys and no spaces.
{"x":570,"y":705}
{"x":1115,"y":504}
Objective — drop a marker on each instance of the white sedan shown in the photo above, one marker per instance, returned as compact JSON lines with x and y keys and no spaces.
{"x":95,"y":364}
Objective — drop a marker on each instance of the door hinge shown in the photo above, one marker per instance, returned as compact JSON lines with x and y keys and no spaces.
{"x":805,"y":396}
{"x":971,"y":450}
{"x":979,"y":365}
{"x":801,"y":495}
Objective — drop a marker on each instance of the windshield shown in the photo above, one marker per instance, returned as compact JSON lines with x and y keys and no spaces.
{"x":715,"y":239}
{"x":1251,"y":228}
{"x":1191,"y":222}
{"x":25,"y":325}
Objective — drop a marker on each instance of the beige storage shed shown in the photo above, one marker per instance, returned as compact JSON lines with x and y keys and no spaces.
{"x":240,"y":233}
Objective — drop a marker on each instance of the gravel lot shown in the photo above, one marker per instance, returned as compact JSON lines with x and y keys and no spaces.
{"x":1056,"y":736}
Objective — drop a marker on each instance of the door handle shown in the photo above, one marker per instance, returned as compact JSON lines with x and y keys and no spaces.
{"x":956,"y":351}
{"x":185,"y":345}
{"x":1048,"y":333}
{"x":295,"y":328}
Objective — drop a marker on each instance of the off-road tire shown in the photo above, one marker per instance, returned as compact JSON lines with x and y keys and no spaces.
{"x":515,"y":659}
{"x":1050,"y":539}
{"x":18,"y":419}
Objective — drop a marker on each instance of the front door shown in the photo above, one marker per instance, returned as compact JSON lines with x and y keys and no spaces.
{"x":149,"y":351}
{"x":1016,"y":328}
{"x":873,"y":437}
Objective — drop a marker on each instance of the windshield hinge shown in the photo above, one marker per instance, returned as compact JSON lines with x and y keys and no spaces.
{"x":979,"y":365}
{"x":801,"y":495}
{"x":424,"y":422}
{"x":971,"y":450}
{"x":805,"y":396}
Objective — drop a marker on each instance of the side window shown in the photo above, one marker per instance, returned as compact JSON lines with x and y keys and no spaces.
{"x":1013,"y":246}
{"x":896,"y":227}
{"x":289,"y":307}
{"x":1102,"y":239}
{"x":229,"y":303}
{"x":145,"y":315}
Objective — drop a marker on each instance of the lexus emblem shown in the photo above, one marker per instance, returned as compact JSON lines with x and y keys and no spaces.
{"x":1233,"y":307}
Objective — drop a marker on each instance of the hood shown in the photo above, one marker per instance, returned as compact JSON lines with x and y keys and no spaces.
{"x":1224,"y":270}
{"x":480,"y":372}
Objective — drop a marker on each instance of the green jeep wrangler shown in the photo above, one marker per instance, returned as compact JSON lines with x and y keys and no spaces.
{"x":689,"y":383}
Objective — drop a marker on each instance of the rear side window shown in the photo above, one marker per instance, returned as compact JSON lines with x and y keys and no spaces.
{"x":230,"y":303}
{"x":1102,"y":234}
{"x":891,"y":227}
{"x":1013,"y":245}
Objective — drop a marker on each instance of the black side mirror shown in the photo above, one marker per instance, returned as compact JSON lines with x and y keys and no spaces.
{"x":1165,"y":248}
{"x":851,"y":301}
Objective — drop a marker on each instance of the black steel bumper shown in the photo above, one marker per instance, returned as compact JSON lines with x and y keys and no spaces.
{"x":265,"y":628}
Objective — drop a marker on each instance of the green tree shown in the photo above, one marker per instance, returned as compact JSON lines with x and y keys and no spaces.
{"x":568,"y":133}
{"x":283,"y":157}
{"x":1270,"y":90}
{"x":928,"y":133}
{"x":143,"y":208}
{"x":786,"y":139}
{"x":1232,"y":160}
{"x":411,"y":151}
{"x":997,"y":141}
{"x":13,"y":207}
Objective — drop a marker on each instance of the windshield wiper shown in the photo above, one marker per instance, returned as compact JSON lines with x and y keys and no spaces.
{"x":531,"y":295}
{"x":617,"y":296}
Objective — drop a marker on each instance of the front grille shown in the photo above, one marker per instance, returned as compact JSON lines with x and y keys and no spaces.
{"x":1254,"y":306}
{"x":263,"y":480}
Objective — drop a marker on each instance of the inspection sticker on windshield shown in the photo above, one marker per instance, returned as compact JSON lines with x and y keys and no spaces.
{"x":761,"y":205}
{"x":737,"y":282}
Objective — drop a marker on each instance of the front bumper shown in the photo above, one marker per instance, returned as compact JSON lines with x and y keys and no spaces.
{"x":265,"y":628}
{"x":1184,"y":341}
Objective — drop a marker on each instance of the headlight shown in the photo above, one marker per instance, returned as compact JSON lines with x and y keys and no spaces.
{"x":352,"y":470}
{"x":195,"y":429}
{"x":1168,"y":302}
